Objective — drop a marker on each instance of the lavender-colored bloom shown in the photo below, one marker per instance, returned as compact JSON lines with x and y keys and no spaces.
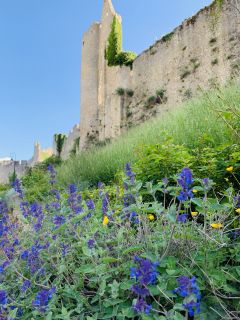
{"x":189,"y":288}
{"x":24,"y":255}
{"x":142,"y":307}
{"x":90,"y":204}
{"x":26,"y":284}
{"x":91,"y":243}
{"x":145,"y":274}
{"x":206,"y":183}
{"x":56,"y":194}
{"x":140,"y":291}
{"x":65,"y":248}
{"x":3,"y":297}
{"x":52,"y":173}
{"x":185,"y":181}
{"x":43,"y":298}
{"x":128,"y":199}
{"x":74,"y":199}
{"x":165,"y":181}
{"x":59,"y":220}
{"x":182,"y":218}
{"x":18,"y":187}
{"x":24,"y":207}
{"x":105,"y":204}
{"x":129,"y":173}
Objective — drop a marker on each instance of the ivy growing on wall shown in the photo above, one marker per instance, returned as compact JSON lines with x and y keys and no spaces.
{"x":59,"y":140}
{"x":114,"y":54}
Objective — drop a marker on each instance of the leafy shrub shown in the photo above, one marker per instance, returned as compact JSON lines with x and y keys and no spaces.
{"x":161,"y":96}
{"x":161,"y":160}
{"x":4,"y":187}
{"x":125,"y":58}
{"x":114,"y":54}
{"x":151,"y":101}
{"x":120,"y":91}
{"x":130,"y":92}
{"x":167,"y":37}
{"x":36,"y":184}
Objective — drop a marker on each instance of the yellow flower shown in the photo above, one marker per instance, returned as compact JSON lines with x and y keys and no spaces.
{"x":238,"y":210}
{"x":216,"y":225}
{"x":229,"y":168}
{"x":194,"y":190}
{"x":105,"y":220}
{"x":151,"y":217}
{"x":194,"y":214}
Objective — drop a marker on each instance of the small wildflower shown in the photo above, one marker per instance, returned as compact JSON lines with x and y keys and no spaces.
{"x":3,"y":297}
{"x":194,"y":190}
{"x":194,"y":213}
{"x":42,"y":299}
{"x":182,"y":218}
{"x":216,"y":225}
{"x":91,"y":243}
{"x":229,"y":168}
{"x":105,"y":220}
{"x":151,"y":217}
{"x":189,"y":290}
{"x":238,"y":210}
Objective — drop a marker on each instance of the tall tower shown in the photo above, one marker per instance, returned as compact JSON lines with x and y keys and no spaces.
{"x":93,"y":77}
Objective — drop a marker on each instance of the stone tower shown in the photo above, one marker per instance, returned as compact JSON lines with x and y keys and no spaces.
{"x":93,"y":77}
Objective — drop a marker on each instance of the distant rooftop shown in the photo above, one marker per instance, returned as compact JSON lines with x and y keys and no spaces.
{"x":5,"y":159}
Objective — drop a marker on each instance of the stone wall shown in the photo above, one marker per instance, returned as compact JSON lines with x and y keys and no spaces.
{"x":6,"y":169}
{"x":72,"y":142}
{"x":202,"y":51}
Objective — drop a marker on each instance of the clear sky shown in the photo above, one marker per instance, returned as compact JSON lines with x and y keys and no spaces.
{"x":40,"y":55}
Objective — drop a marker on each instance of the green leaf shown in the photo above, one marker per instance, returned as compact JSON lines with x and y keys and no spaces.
{"x":88,"y":268}
{"x":133,"y":249}
{"x":109,"y":260}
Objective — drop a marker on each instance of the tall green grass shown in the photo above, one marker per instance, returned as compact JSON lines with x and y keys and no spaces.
{"x":190,"y":123}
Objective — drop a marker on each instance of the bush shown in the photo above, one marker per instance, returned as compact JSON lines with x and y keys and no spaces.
{"x":120,"y":91}
{"x":125,"y":58}
{"x":151,"y":101}
{"x":130,"y":92}
{"x":36,"y":184}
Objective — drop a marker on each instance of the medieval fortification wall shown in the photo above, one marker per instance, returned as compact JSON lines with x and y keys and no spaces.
{"x":7,"y":169}
{"x":202,"y":51}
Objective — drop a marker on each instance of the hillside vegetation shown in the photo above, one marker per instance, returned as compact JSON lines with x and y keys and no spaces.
{"x":197,"y":122}
{"x":160,"y":242}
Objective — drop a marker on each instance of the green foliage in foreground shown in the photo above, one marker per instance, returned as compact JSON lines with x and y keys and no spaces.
{"x":195,"y":124}
{"x":73,"y":260}
{"x":36,"y":181}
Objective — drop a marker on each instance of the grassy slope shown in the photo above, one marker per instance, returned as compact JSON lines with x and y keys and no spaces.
{"x":188,"y":124}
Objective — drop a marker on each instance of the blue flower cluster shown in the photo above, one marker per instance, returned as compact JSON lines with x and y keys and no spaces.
{"x":18,"y":187}
{"x":129,"y":173}
{"x":185,"y":182}
{"x":43,"y":298}
{"x":145,"y":274}
{"x":189,"y":290}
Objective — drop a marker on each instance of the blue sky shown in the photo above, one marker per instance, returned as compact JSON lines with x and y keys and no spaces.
{"x":40,"y":55}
